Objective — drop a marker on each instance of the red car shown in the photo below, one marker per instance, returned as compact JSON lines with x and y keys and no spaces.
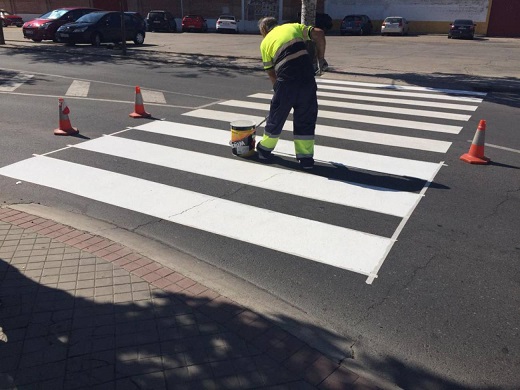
{"x":194,"y":23}
{"x":45,"y":26}
{"x":8,"y":19}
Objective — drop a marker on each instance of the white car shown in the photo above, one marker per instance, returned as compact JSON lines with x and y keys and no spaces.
{"x":227,"y":23}
{"x":394,"y":25}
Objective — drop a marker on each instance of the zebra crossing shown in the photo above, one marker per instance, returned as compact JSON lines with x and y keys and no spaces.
{"x":432,"y":118}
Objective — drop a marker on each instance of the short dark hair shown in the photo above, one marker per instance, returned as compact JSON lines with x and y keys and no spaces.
{"x":267,"y":24}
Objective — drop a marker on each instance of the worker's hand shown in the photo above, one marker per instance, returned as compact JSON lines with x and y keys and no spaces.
{"x":323,"y":66}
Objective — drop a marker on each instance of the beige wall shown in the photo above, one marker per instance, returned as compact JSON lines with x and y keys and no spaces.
{"x":425,"y":16}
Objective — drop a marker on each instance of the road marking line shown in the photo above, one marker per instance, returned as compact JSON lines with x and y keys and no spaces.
{"x":95,"y":99}
{"x":421,"y":103}
{"x":401,"y":93}
{"x":367,"y":161}
{"x":379,"y":108}
{"x":78,"y":88}
{"x":397,"y":232}
{"x":345,"y":133}
{"x":377,"y":199}
{"x":376,"y":120}
{"x":500,"y":147}
{"x":336,"y":246}
{"x":401,"y":87}
{"x":14,"y":82}
{"x":152,"y":96}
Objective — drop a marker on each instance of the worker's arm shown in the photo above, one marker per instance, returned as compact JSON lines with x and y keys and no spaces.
{"x":318,"y":37}
{"x":272,"y":75}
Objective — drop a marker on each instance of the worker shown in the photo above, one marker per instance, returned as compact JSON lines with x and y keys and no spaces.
{"x":291,"y":71}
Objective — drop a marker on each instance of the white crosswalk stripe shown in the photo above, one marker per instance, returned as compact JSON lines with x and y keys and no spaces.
{"x":14,"y":82}
{"x":376,"y":120}
{"x":370,"y":107}
{"x":351,"y":249}
{"x":78,"y":88}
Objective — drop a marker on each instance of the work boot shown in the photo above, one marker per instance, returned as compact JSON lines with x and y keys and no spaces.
{"x":306,"y":163}
{"x":264,"y":154}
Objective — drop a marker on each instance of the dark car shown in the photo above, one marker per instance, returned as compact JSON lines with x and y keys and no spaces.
{"x":462,"y":28}
{"x":194,"y":23}
{"x":161,"y":21}
{"x":45,"y":26}
{"x":323,"y":21}
{"x":356,"y":25}
{"x":103,"y":26}
{"x":9,"y":19}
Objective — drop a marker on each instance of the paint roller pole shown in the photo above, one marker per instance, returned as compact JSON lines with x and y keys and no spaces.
{"x":258,"y":125}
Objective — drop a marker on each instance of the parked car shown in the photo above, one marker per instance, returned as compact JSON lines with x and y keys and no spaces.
{"x":395,"y":25}
{"x":140,"y":19}
{"x":45,"y":26}
{"x":227,"y":23}
{"x":194,"y":23}
{"x":323,"y":21}
{"x":160,"y":20}
{"x":462,"y":28}
{"x":356,"y":25}
{"x":9,"y":19}
{"x":103,"y":26}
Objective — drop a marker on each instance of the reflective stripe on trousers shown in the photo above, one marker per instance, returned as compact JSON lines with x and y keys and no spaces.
{"x":300,"y":96}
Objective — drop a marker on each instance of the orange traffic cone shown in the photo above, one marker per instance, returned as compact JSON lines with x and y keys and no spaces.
{"x":65,"y":128}
{"x":476,"y":151}
{"x":139,"y":111}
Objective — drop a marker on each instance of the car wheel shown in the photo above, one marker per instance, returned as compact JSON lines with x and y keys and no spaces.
{"x":449,"y":36}
{"x":139,"y":38}
{"x":96,"y":39}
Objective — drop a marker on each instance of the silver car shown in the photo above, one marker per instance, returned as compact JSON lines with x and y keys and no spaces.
{"x":394,"y":25}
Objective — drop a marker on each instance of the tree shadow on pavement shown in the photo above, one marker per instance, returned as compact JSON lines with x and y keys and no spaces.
{"x":230,"y":67}
{"x":69,"y":333}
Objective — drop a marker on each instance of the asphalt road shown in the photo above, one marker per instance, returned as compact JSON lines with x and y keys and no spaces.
{"x":443,"y":312}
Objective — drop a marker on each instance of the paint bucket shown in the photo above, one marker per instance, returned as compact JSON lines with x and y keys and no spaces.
{"x":243,"y":133}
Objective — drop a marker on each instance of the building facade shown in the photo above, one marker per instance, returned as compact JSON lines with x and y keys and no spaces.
{"x":493,"y":17}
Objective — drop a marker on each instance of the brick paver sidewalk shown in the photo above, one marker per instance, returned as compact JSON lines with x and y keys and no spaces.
{"x":83,"y":312}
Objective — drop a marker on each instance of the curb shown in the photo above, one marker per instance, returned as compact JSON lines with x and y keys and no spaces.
{"x":305,"y":362}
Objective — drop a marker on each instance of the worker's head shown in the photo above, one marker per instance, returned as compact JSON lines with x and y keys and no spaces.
{"x":267,"y":24}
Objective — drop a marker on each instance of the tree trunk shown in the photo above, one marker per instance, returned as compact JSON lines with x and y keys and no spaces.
{"x":309,"y":18}
{"x":308,"y":12}
{"x":2,"y":40}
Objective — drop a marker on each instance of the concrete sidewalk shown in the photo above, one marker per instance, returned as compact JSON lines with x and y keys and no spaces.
{"x":84,"y":312}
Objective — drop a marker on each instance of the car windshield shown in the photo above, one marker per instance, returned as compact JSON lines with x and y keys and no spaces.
{"x":91,"y":18}
{"x":393,"y":20}
{"x":463,"y":22}
{"x":56,"y":14}
{"x":153,"y":15}
{"x":227,"y":18}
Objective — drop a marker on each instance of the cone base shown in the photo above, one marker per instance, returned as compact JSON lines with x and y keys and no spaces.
{"x":142,"y":115}
{"x":474,"y":160}
{"x":71,"y":131}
